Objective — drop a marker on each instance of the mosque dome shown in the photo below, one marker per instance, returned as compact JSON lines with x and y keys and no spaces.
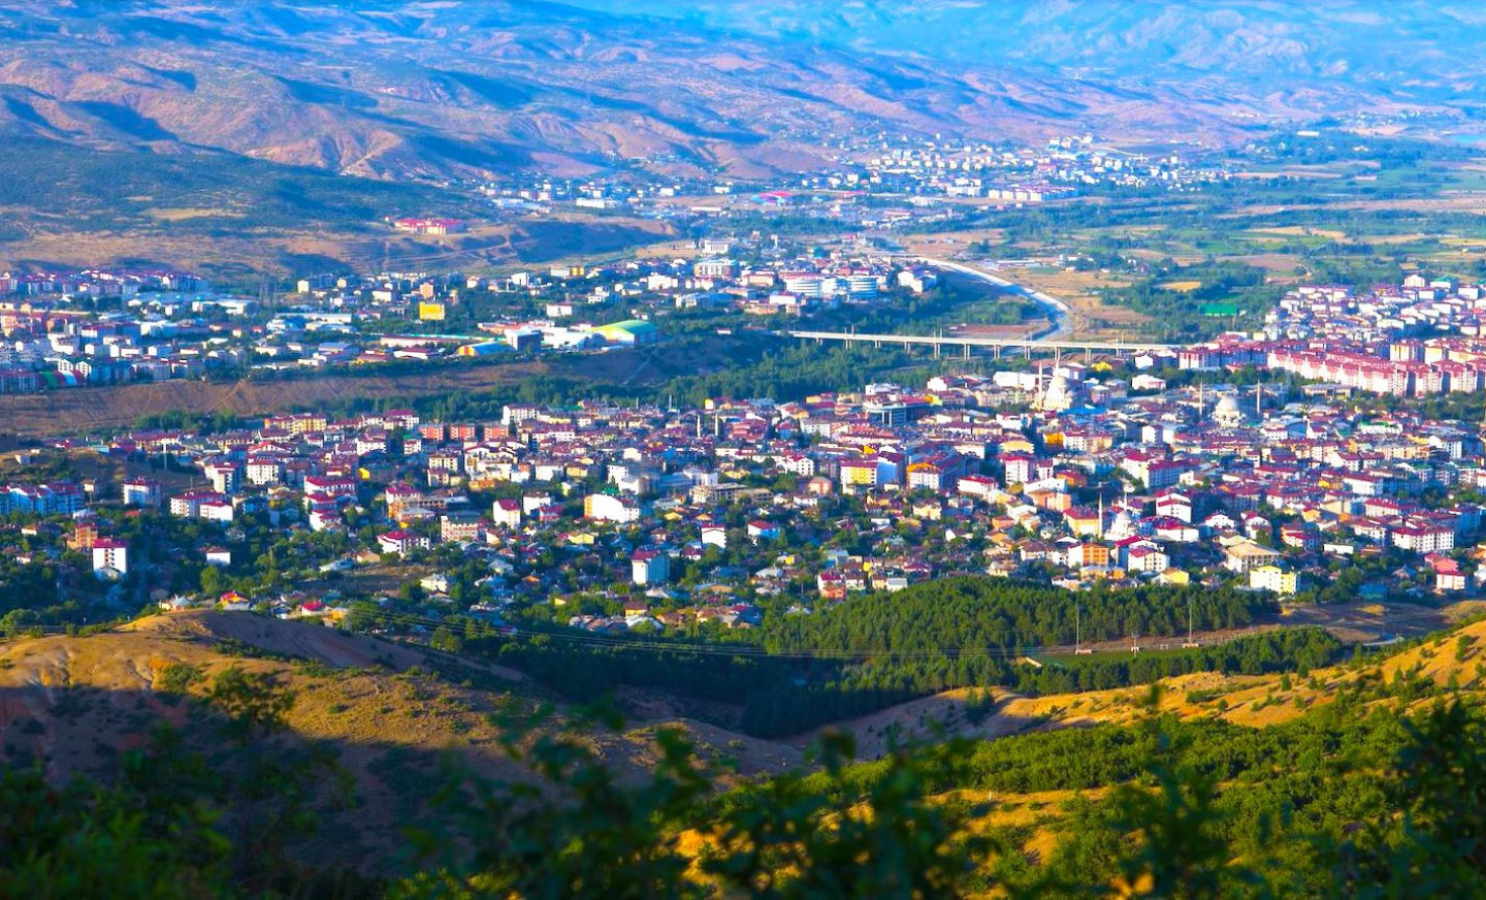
{"x":1057,"y":395}
{"x":1122,"y":526}
{"x":1227,"y":413}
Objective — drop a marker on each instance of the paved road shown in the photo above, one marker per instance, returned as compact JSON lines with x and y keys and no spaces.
{"x":1057,"y":310}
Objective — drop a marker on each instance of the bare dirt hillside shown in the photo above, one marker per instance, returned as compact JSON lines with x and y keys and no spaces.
{"x":452,"y":90}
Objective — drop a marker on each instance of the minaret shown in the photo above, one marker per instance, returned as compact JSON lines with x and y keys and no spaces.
{"x":1100,"y":532}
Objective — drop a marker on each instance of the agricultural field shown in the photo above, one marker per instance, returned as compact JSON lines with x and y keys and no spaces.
{"x":1359,"y":220}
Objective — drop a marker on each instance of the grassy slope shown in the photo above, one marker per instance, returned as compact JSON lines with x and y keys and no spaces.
{"x":396,"y":712}
{"x":1252,"y":700}
{"x":228,"y":216}
{"x":75,"y":703}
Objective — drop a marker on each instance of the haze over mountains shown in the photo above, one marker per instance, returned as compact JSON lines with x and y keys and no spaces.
{"x":451,"y":90}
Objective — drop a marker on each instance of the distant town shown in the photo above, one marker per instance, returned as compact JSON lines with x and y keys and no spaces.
{"x":876,"y":180}
{"x":92,"y":328}
{"x":1423,"y":337}
{"x":1268,"y":457}
{"x":1244,"y":460}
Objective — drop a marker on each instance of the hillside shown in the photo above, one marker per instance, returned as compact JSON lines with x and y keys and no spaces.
{"x":1255,"y":701}
{"x":339,"y":676}
{"x":232,"y":217}
{"x":432,"y":90}
{"x":275,"y":137}
{"x":391,"y":712}
{"x":392,"y":716}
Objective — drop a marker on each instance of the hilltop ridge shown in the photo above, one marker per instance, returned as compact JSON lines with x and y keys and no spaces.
{"x":436,"y":91}
{"x":392,"y":712}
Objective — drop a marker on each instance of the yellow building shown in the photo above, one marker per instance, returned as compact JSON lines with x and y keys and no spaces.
{"x":431,"y":312}
{"x":1084,"y":522}
{"x":1273,"y":578}
{"x":858,"y":472}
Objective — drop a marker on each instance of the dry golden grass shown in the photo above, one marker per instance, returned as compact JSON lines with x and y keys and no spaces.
{"x":1255,"y":700}
{"x":77,"y":702}
{"x":85,"y":410}
{"x":1092,"y":318}
{"x":183,"y":214}
{"x":1301,"y":230}
{"x":952,"y":241}
{"x":349,"y":666}
{"x":1320,"y":172}
{"x":1386,"y":239}
{"x":669,"y":250}
{"x":1276,"y":263}
{"x":81,"y":410}
{"x":486,"y":248}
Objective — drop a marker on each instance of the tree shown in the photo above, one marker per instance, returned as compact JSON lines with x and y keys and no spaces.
{"x":446,"y":640}
{"x":252,"y":702}
{"x":211,"y":582}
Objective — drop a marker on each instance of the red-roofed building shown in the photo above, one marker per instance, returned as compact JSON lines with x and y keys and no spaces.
{"x":110,"y":554}
{"x":506,"y":513}
{"x":402,"y":542}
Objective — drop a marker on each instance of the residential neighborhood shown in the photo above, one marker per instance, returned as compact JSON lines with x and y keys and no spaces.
{"x":607,"y":516}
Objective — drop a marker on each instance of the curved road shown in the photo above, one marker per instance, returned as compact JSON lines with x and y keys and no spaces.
{"x":1058,"y":310}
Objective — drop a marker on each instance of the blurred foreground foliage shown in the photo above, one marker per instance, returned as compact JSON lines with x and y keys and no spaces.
{"x":1402,"y":783}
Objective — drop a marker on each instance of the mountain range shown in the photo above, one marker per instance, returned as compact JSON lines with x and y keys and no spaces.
{"x":435,"y":91}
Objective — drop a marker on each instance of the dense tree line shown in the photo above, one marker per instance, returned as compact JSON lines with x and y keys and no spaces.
{"x":860,"y":689}
{"x":962,"y":614}
{"x":874,"y":652}
{"x":587,"y":673}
